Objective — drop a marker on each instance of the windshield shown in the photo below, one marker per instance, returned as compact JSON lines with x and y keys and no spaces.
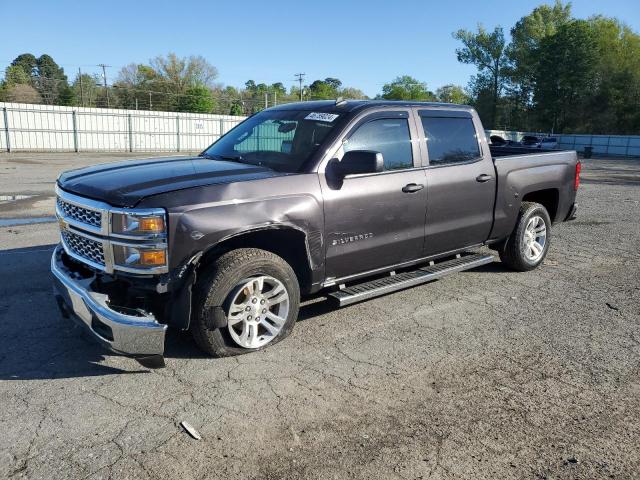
{"x":280,"y":140}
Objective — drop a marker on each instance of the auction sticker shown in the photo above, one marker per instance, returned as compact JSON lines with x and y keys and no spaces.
{"x":322,"y":117}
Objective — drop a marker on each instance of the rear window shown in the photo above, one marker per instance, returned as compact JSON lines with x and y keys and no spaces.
{"x":450,"y":140}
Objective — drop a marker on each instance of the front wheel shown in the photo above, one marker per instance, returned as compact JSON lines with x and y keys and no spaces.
{"x":247,"y":300}
{"x":529,"y":243}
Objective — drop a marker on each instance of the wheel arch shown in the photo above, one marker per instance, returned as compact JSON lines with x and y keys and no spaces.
{"x":549,"y":198}
{"x":287,"y":241}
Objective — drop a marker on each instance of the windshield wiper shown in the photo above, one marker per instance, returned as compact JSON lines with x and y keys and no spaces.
{"x":233,"y":158}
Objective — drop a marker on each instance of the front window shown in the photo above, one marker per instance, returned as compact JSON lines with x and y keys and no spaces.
{"x":280,"y":140}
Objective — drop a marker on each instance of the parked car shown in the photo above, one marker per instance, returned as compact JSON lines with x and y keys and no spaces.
{"x":549,"y":143}
{"x":356,"y":199}
{"x":530,"y":141}
{"x":497,"y":140}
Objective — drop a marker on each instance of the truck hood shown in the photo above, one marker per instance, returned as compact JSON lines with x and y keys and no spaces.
{"x":124,"y":184}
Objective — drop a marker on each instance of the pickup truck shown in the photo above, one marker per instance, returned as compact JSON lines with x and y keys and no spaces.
{"x":353,"y":198}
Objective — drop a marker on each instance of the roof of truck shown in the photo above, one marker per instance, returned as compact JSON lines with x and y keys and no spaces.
{"x":351,"y":105}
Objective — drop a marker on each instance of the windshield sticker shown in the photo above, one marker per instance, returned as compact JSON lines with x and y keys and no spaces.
{"x":322,"y":117}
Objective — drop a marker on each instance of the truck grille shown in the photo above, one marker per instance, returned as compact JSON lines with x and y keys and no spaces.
{"x":84,"y":247}
{"x":80,"y":214}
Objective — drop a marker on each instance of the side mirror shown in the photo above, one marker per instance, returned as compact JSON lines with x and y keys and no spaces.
{"x":360,"y":161}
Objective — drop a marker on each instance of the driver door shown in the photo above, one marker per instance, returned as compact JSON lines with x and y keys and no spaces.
{"x":376,"y":220}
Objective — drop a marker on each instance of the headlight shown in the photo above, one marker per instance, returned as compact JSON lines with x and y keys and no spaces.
{"x":139,"y":257}
{"x":138,"y":223}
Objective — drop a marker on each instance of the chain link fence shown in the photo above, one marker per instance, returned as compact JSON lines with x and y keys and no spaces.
{"x":33,"y":128}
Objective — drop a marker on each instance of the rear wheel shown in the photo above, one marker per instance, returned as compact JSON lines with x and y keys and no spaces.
{"x":248,"y":299}
{"x":529,"y":243}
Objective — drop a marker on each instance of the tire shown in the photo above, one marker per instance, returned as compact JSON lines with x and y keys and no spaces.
{"x":518,"y":251}
{"x":228,"y":289}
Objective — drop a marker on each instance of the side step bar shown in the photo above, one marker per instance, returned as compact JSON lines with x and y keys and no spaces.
{"x":392,"y":283}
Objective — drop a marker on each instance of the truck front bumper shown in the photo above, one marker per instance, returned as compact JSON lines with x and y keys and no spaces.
{"x":138,"y":335}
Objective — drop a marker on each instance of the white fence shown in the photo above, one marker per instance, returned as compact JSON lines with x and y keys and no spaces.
{"x":32,"y":128}
{"x":614,"y":145}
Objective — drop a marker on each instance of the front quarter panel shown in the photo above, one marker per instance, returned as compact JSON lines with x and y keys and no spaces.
{"x":200,"y":218}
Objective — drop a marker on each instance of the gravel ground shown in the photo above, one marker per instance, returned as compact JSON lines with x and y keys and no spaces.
{"x":485,"y":374}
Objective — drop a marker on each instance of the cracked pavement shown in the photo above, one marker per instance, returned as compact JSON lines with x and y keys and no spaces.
{"x":484,"y":374}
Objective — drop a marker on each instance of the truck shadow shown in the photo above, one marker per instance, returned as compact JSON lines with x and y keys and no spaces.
{"x":37,"y":343}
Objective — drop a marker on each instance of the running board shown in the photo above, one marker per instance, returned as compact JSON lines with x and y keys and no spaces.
{"x":394,"y":282}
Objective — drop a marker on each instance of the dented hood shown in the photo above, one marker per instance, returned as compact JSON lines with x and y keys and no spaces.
{"x":124,"y":184}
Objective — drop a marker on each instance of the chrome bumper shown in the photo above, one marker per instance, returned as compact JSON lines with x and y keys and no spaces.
{"x":133,"y":335}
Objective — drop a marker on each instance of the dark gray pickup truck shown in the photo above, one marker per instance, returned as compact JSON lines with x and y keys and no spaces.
{"x":357,"y":198}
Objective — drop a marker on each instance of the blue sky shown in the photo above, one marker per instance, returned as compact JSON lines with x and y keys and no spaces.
{"x":364,"y":43}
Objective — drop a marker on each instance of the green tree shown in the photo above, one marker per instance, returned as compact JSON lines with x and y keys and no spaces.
{"x":28,"y":63}
{"x":452,"y":94}
{"x":564,"y":79}
{"x":544,"y":21}
{"x":85,"y":90}
{"x":485,"y":50}
{"x":324,"y":89}
{"x":236,"y":108}
{"x":50,"y":79}
{"x":15,"y":75}
{"x":196,"y":99}
{"x":406,"y":87}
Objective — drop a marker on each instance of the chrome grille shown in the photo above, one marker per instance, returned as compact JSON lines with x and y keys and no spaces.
{"x":80,"y":214}
{"x":84,"y":247}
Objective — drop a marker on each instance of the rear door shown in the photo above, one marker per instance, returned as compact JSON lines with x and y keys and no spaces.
{"x":376,"y":220}
{"x":461,"y":180}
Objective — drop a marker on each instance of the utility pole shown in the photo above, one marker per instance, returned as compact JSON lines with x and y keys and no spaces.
{"x":150,"y":104}
{"x":275,"y":98}
{"x":81,"y":89}
{"x":266,"y":100}
{"x":104,"y":77}
{"x":300,"y":80}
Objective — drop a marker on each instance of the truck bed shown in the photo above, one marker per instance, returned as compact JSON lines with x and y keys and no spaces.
{"x":520,"y":171}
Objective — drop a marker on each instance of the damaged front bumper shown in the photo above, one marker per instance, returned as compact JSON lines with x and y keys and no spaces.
{"x":138,"y":335}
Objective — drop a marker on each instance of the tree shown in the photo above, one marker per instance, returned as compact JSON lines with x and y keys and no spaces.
{"x":279,"y":89}
{"x":236,"y":108}
{"x":50,"y":79}
{"x":324,"y":89}
{"x":564,"y":79}
{"x":196,"y":99}
{"x":406,"y":88}
{"x":352,"y":93}
{"x":15,"y":75}
{"x":452,"y":94}
{"x":28,"y":63}
{"x":181,"y":73}
{"x":21,"y":93}
{"x":544,"y":21}
{"x":485,"y":50}
{"x":85,"y":90}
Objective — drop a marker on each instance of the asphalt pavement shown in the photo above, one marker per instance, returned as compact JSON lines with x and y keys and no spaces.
{"x":484,"y":374}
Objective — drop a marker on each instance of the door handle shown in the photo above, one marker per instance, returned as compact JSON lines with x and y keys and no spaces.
{"x":483,"y":178}
{"x":412,"y":187}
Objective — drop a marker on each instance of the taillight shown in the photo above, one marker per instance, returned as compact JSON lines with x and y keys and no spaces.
{"x":576,"y":182}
